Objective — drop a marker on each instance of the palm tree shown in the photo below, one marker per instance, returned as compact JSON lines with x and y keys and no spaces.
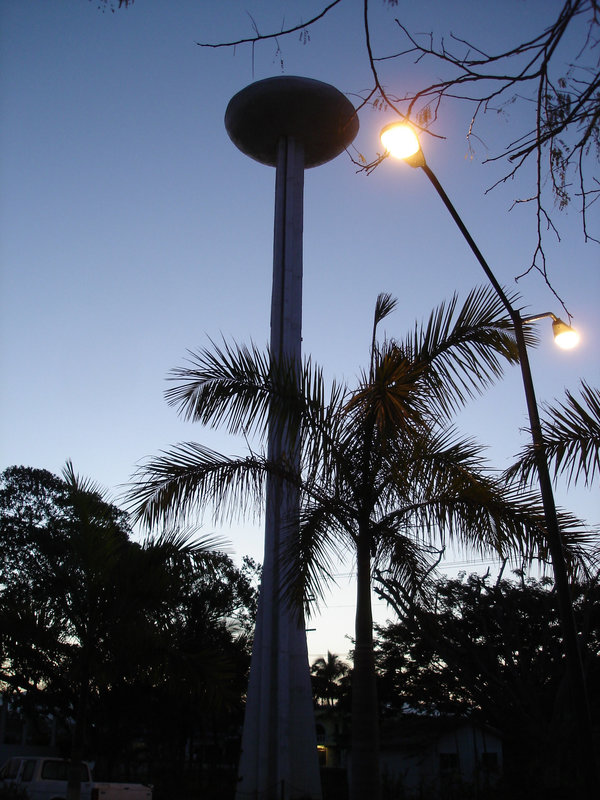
{"x":326,"y":673}
{"x":382,"y":475}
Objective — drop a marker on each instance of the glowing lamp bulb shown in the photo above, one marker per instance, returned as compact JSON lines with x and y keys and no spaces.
{"x":564,"y":335}
{"x":400,"y":140}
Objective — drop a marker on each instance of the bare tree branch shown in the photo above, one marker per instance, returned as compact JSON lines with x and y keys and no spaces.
{"x":563,"y":140}
{"x":259,"y":37}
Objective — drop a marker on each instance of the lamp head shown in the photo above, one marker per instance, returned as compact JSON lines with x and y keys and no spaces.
{"x":400,"y":141}
{"x":565,"y":336}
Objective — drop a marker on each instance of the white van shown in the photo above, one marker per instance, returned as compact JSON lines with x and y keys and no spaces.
{"x":46,"y":779}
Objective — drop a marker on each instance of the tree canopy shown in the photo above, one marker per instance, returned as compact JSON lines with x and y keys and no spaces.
{"x":111,"y":636}
{"x":491,"y":649}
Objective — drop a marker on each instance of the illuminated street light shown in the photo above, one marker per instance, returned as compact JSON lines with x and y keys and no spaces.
{"x":400,"y":140}
{"x":565,"y":336}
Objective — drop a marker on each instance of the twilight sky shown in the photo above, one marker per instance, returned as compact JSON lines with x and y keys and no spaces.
{"x":131,"y":229}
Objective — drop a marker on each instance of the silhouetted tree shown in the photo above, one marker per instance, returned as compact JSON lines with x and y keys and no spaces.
{"x":88,"y":616}
{"x":492,"y":650}
{"x":326,"y":675}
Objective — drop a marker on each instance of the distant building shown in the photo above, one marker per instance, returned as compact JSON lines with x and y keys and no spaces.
{"x":333,"y":737}
{"x":439,"y":756}
{"x":422,"y":756}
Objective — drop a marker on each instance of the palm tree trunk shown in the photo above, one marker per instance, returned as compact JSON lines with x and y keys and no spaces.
{"x":78,"y":736}
{"x":74,"y":772}
{"x":364,"y":776}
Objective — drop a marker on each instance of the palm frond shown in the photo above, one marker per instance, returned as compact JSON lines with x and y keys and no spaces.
{"x":463,"y":350}
{"x":407,"y":561}
{"x":424,"y":463}
{"x":392,"y":394}
{"x":93,"y":516}
{"x":184,"y":541}
{"x":445,"y":490}
{"x":324,"y":431}
{"x":248,"y":391}
{"x":486,"y":516}
{"x":228,"y":385}
{"x":79,"y":484}
{"x":310,"y":554}
{"x":436,"y":369}
{"x":189,"y":478}
{"x":571,"y":432}
{"x":384,"y":306}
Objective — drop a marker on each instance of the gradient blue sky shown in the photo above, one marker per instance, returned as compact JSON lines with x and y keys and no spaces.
{"x":131,"y":229}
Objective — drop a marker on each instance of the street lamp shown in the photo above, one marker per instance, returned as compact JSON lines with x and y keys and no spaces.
{"x":565,"y":336}
{"x":401,"y":141}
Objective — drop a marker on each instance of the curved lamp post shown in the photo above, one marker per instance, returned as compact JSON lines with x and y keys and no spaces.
{"x":400,"y":141}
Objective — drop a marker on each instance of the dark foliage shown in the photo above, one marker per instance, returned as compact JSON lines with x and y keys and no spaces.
{"x":140,"y":650}
{"x":493,"y":650}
